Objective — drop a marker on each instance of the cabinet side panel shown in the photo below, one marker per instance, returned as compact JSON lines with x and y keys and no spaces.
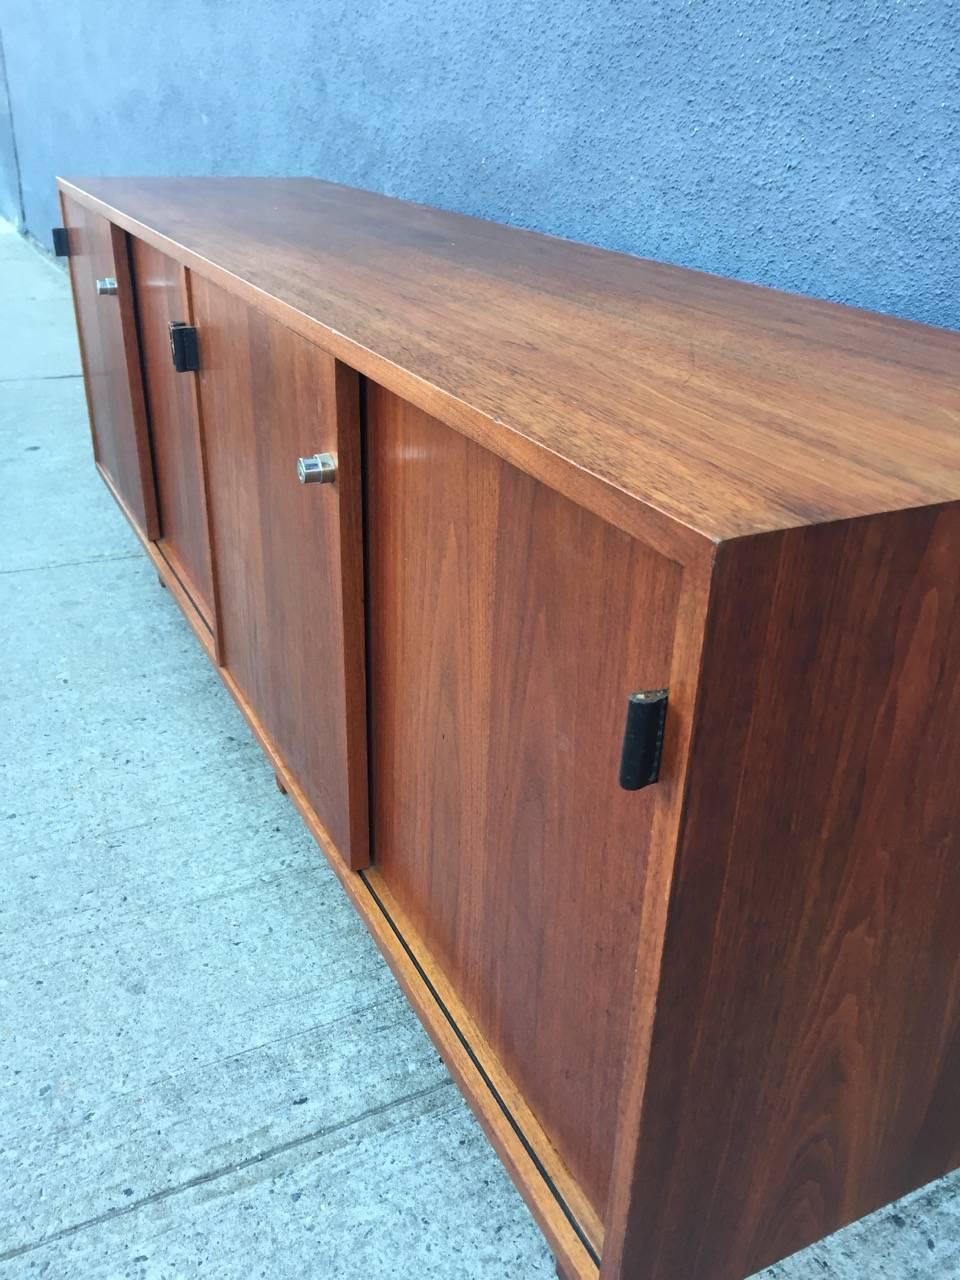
{"x":806,"y":1050}
{"x":507,"y":627}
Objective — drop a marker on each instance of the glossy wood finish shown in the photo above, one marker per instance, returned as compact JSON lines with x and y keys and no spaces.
{"x":108,"y":345}
{"x":674,"y":403}
{"x":184,"y":537}
{"x":806,"y":1050}
{"x":289,"y":556}
{"x":702,"y":1024}
{"x":497,"y":713}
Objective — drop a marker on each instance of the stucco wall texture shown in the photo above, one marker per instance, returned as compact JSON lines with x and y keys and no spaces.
{"x":9,"y":176}
{"x":813,"y":146}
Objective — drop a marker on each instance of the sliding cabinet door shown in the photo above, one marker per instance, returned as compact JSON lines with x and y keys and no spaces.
{"x":162,"y":300}
{"x":288,"y":555}
{"x":106,"y":321}
{"x":507,"y":628}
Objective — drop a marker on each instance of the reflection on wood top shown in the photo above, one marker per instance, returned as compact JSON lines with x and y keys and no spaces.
{"x":726,"y":408}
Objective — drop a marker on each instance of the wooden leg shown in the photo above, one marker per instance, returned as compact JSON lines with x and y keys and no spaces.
{"x":279,"y":781}
{"x":161,"y":581}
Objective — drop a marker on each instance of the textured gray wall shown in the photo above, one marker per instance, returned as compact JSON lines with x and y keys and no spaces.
{"x":810,"y":145}
{"x":9,"y":172}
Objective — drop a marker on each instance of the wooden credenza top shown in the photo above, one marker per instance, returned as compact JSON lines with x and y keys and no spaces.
{"x":696,"y":408}
{"x":687,"y":1016}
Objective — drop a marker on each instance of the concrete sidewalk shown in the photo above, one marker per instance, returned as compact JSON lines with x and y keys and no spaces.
{"x":206,"y":1070}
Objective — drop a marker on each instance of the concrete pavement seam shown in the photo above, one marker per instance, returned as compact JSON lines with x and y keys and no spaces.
{"x":202,"y":1179}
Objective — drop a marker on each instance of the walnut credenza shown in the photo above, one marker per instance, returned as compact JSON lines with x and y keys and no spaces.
{"x":439,"y":499}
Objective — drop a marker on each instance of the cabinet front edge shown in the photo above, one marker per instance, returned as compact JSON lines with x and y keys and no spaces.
{"x":628,"y":512}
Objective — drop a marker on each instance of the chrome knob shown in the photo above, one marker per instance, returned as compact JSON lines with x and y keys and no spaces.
{"x":321,"y":468}
{"x":107,"y":286}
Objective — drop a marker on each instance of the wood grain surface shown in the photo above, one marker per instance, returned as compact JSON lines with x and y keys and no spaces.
{"x":161,"y":292}
{"x":289,"y":556}
{"x":725,"y":408}
{"x":506,"y":629}
{"x":806,"y":1050}
{"x":106,"y":327}
{"x":726,"y":1009}
{"x":511,"y":1128}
